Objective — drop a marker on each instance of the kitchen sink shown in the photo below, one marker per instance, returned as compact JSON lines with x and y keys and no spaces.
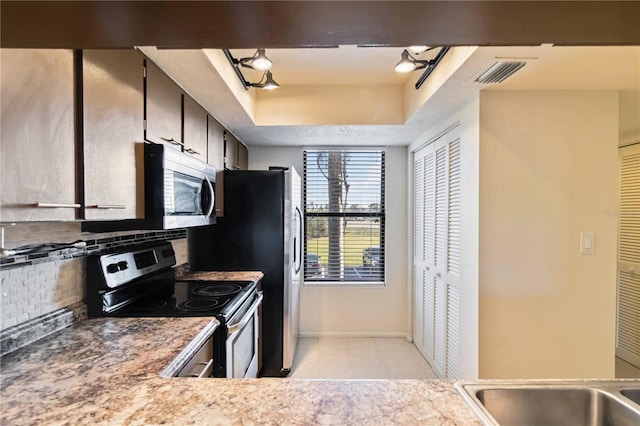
{"x":571,"y":403}
{"x":632,"y":394}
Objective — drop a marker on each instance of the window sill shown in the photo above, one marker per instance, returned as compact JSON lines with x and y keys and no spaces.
{"x":350,"y":284}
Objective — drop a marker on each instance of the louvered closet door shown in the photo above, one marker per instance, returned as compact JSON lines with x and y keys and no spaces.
{"x":437,"y":253}
{"x":418,"y":250}
{"x":440,"y":233}
{"x":628,"y":324}
{"x":429,"y":292}
{"x":453,"y":260}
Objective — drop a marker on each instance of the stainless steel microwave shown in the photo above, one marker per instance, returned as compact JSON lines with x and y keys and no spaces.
{"x":179,"y":189}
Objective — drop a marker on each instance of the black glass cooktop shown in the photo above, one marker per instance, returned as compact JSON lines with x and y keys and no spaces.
{"x":164,"y":298}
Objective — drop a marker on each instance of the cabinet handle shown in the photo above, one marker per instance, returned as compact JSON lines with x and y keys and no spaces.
{"x":191,"y":151}
{"x":172,"y":141}
{"x":57,"y":205}
{"x":109,"y":206}
{"x":204,"y":370}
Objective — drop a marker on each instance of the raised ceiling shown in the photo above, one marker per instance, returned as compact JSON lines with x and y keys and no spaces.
{"x":450,"y":86}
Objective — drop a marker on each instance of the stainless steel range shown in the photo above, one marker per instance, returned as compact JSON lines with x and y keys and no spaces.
{"x":140,"y":282}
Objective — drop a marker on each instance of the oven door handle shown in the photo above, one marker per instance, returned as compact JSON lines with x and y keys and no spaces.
{"x":234,"y":328}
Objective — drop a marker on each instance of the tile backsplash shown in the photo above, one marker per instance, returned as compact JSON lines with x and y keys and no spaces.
{"x":38,"y":283}
{"x":34,"y":290}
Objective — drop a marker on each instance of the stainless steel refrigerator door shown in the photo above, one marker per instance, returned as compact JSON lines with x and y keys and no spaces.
{"x":293,"y":237}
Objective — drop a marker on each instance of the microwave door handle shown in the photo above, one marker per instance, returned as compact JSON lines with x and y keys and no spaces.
{"x":212,"y":197}
{"x":235,"y":327}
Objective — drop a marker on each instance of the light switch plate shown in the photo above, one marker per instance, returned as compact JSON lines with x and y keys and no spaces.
{"x":587,"y":242}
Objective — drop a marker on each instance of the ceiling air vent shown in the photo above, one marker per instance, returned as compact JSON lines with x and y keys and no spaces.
{"x":499,"y":72}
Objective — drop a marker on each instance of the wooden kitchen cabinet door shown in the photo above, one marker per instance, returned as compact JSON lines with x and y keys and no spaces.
{"x":113,"y":109}
{"x":230,"y":151}
{"x":195,"y":129}
{"x":243,"y":157}
{"x":163,"y":108}
{"x":215,"y":150}
{"x":37,"y":134}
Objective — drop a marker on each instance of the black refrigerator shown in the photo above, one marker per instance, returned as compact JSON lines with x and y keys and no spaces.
{"x":261,"y":230}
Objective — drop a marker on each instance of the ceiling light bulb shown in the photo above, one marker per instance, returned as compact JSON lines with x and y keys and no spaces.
{"x":270,"y":83}
{"x":416,"y":50}
{"x":260,"y":61}
{"x":405,"y":65}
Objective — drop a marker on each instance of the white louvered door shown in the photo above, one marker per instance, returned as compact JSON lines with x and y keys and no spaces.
{"x":437,"y":253}
{"x":418,"y":252}
{"x":628,"y":321}
{"x":429,"y":314}
{"x":453,"y":260}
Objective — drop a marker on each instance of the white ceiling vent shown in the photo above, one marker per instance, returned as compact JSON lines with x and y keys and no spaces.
{"x":499,"y":72}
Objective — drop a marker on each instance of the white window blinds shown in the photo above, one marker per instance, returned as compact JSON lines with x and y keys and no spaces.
{"x":344,"y":216}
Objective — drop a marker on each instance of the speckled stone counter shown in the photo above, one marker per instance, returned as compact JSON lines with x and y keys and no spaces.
{"x":105,"y":371}
{"x":183,"y":272}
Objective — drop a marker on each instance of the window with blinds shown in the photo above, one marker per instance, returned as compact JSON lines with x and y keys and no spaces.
{"x":344,"y":216}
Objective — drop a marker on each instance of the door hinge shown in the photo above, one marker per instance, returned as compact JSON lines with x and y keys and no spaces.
{"x":144,"y":124}
{"x":144,"y":72}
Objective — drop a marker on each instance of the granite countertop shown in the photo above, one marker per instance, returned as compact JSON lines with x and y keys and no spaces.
{"x":183,"y":272}
{"x":106,"y":371}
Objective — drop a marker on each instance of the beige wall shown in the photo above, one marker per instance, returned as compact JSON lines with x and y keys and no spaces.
{"x":348,"y":310}
{"x":548,"y":170}
{"x":335,"y":105}
{"x":629,"y":122}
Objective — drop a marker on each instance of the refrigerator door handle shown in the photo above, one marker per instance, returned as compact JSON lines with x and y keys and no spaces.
{"x":297,"y":246}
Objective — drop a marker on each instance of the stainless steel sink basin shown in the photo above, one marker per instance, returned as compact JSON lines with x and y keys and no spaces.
{"x":632,"y":394}
{"x":571,"y":403}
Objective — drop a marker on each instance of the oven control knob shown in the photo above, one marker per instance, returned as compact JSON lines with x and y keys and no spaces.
{"x":112,"y":268}
{"x":123,"y":265}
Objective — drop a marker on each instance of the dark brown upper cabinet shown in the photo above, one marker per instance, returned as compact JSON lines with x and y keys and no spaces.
{"x":236,"y":154}
{"x":230,"y":151}
{"x":163,"y":107}
{"x":113,"y":112}
{"x":37,"y":133}
{"x":243,"y":157}
{"x":215,"y":157}
{"x":195,"y":129}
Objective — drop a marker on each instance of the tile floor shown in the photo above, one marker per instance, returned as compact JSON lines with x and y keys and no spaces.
{"x":358,"y":358}
{"x":624,"y":370}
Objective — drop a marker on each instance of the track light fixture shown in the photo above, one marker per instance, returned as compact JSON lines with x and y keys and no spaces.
{"x":408,"y":63}
{"x":269,"y":82}
{"x":416,"y":50}
{"x":258,"y":61}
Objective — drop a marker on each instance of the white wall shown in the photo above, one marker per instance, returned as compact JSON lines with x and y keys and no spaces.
{"x":548,"y":170}
{"x":348,"y":310}
{"x":466,"y":123}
